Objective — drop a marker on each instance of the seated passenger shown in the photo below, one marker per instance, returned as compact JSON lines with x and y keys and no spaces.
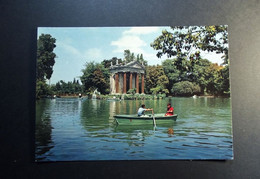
{"x":170,"y":110}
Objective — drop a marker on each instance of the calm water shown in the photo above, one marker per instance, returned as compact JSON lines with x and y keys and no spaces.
{"x":74,"y":129}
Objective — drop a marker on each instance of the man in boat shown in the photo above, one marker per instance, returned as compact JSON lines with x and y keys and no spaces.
{"x":170,"y":110}
{"x":142,"y":109}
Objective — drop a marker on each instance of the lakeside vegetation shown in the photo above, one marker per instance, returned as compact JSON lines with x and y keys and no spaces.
{"x":184,"y":73}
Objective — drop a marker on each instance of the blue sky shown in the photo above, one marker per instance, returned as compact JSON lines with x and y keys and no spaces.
{"x":76,"y":46}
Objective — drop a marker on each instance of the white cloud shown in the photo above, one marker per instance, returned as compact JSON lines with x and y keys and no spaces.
{"x":131,"y":42}
{"x":141,"y":30}
{"x":133,"y":39}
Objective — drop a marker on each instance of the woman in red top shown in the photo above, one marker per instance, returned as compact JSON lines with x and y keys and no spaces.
{"x":170,"y":110}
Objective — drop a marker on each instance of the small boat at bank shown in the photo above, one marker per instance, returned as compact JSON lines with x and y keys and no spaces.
{"x":148,"y":119}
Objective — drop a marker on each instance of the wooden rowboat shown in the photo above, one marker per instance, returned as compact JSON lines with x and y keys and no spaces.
{"x":148,"y":119}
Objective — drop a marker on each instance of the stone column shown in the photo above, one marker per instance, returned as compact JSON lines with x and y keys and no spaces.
{"x":117,"y":82}
{"x":142,"y":83}
{"x":130,"y":81}
{"x":124,"y":88}
{"x":137,"y":83}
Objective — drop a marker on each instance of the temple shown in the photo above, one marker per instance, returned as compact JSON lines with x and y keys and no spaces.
{"x":126,"y":76}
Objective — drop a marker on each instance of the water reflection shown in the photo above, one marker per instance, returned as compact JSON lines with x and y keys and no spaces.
{"x":43,"y":128}
{"x":75,"y":129}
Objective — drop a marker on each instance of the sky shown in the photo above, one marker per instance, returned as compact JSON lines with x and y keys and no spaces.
{"x":77,"y":46}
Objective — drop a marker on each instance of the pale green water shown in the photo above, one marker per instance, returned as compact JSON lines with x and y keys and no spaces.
{"x":73,"y":129}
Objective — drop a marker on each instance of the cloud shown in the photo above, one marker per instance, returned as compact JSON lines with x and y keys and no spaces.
{"x":141,"y":30}
{"x":134,"y":40}
{"x":131,"y":42}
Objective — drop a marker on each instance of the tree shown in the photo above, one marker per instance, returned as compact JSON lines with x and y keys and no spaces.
{"x":45,"y":56}
{"x":225,"y":85}
{"x":95,"y":76}
{"x":156,"y":81}
{"x":45,"y":63}
{"x":61,"y":87}
{"x":107,"y":63}
{"x":185,"y":88}
{"x":212,"y":77}
{"x":42,"y":89}
{"x":182,"y":41}
{"x":174,"y":75}
{"x":129,"y":57}
{"x":197,"y":72}
{"x":218,"y":80}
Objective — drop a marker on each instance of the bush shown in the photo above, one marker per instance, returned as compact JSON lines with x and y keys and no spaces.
{"x":42,"y":89}
{"x":185,"y":88}
{"x":131,"y":91}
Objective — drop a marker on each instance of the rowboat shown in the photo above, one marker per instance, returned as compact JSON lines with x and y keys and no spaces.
{"x":147,"y":119}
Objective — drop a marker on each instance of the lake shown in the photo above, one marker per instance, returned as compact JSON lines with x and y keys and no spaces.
{"x":72,"y":129}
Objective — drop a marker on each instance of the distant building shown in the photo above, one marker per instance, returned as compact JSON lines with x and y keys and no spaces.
{"x":126,"y":76}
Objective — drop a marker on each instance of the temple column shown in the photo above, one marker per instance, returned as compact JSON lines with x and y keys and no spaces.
{"x":124,"y":87}
{"x":117,"y":82}
{"x":137,"y":83}
{"x":130,"y":81}
{"x":142,"y":83}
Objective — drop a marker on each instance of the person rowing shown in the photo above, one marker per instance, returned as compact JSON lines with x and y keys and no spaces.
{"x":142,"y":109}
{"x":170,"y":110}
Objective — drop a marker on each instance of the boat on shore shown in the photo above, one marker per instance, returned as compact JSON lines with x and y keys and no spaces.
{"x":145,"y":120}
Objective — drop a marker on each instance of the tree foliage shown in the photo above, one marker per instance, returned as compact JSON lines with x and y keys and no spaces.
{"x":45,"y":56}
{"x":211,"y":78}
{"x":185,"y":88}
{"x":217,"y":78}
{"x":129,"y":57}
{"x":184,"y":40}
{"x":63,"y":88}
{"x":95,"y":76}
{"x":45,"y":63}
{"x":42,"y":89}
{"x":114,"y":60}
{"x":156,"y":81}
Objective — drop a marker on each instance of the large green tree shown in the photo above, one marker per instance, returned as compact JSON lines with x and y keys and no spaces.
{"x":129,"y":57}
{"x":156,"y":81}
{"x":217,"y":80}
{"x":45,"y":63}
{"x":45,"y":56}
{"x":95,"y":76}
{"x":185,"y":41}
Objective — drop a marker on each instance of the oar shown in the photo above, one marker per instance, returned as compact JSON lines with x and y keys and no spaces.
{"x":153,"y":119}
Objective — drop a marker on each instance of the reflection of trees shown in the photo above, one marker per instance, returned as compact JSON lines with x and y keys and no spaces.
{"x":95,"y":115}
{"x":43,"y":128}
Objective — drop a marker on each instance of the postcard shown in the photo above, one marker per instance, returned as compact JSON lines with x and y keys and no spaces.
{"x":133,"y":93}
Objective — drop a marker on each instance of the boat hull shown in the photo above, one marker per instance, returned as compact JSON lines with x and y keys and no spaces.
{"x":148,"y":120}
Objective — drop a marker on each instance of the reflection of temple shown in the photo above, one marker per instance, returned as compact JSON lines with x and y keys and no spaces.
{"x":125,"y":77}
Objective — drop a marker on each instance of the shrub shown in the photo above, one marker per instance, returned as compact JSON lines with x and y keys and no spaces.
{"x":131,"y":91}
